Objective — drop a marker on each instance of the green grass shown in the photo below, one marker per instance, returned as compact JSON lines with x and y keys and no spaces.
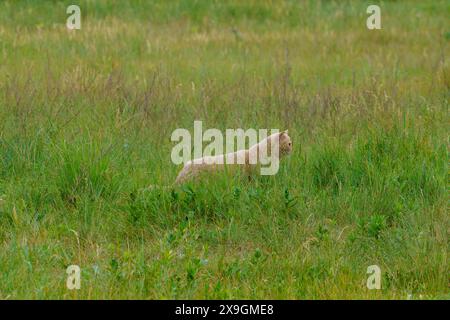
{"x":85,"y":124}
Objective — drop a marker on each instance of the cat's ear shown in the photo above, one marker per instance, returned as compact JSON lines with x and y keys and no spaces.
{"x":285,"y":132}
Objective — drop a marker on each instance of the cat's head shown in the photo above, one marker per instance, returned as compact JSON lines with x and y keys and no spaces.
{"x":285,"y":143}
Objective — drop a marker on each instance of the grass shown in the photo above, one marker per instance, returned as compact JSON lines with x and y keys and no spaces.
{"x":85,"y":124}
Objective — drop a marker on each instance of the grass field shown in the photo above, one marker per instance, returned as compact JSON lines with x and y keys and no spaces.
{"x":85,"y":123}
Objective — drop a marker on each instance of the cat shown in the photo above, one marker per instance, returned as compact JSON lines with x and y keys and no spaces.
{"x":247,"y":160}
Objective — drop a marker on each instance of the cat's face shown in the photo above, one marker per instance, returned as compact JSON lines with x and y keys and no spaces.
{"x":285,"y":143}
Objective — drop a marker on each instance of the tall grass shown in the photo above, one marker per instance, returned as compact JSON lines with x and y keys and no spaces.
{"x":85,"y":124}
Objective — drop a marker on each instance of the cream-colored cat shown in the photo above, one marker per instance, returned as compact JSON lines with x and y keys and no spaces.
{"x":246,"y":160}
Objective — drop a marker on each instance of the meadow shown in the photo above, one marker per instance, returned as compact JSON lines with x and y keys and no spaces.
{"x":85,"y":123}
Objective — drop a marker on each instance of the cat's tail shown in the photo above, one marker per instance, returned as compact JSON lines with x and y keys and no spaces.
{"x":183,"y":176}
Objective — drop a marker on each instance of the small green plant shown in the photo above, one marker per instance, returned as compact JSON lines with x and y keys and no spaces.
{"x":373,"y":225}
